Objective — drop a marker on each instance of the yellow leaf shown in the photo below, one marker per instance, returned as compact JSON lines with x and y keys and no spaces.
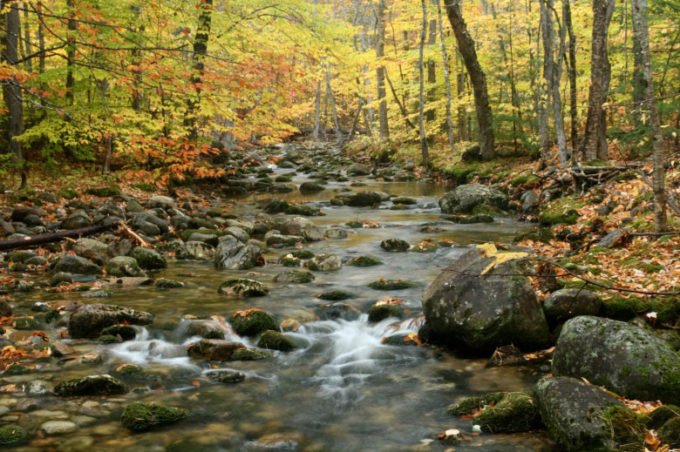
{"x":489,"y":250}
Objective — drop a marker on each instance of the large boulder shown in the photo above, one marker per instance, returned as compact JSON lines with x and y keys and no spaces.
{"x":623,"y":357}
{"x":477,"y":307}
{"x":196,"y":250}
{"x":70,"y":263}
{"x":583,"y":417}
{"x":76,"y":220}
{"x":232,"y":254}
{"x":89,"y":320}
{"x":473,"y":198}
{"x":565,"y":304}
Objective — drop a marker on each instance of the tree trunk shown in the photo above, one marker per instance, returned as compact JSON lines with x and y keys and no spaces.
{"x":641,"y":31}
{"x":460,"y":89}
{"x":380,"y":73}
{"x":12,"y":89}
{"x":421,"y":114}
{"x":334,"y":111}
{"x":28,"y":46}
{"x":431,"y":70}
{"x":198,"y":57}
{"x":466,"y":45}
{"x":543,"y":92}
{"x":70,"y":53}
{"x":317,"y":111}
{"x":447,"y":78}
{"x":573,"y":99}
{"x":595,"y":141}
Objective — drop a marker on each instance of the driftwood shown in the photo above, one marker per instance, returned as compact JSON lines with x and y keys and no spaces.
{"x":50,"y":237}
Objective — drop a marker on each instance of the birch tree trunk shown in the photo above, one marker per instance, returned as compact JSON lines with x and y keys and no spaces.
{"x":641,"y":31}
{"x":466,"y":46}
{"x":421,"y":114}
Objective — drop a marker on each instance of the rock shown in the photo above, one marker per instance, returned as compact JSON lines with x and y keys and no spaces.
{"x":246,"y":354}
{"x":70,"y":263}
{"x":105,"y":192}
{"x":207,"y":329}
{"x":325,"y":263}
{"x":196,"y":251}
{"x":472,"y":154}
{"x":311,"y":187}
{"x":276,"y":205}
{"x":149,"y":259}
{"x":140,"y":416}
{"x":565,"y":304}
{"x":19,"y":213}
{"x":333,"y":311}
{"x":92,"y":249}
{"x":163,"y":202}
{"x":469,"y":219}
{"x":59,"y":349}
{"x":294,"y":277}
{"x":252,"y":322}
{"x":469,"y":198}
{"x":32,"y":220}
{"x":336,"y":234}
{"x":391,"y":284}
{"x":124,"y":266}
{"x":384,"y":309}
{"x":364,"y":261}
{"x":231,"y":254}
{"x":205,"y":237}
{"x":89,"y":320}
{"x":58,"y":427}
{"x":164,"y":283}
{"x":614,"y":239}
{"x":336,"y":295}
{"x":90,"y":385}
{"x":120,"y":247}
{"x":401,"y":340}
{"x":5,"y":308}
{"x":661,"y":415}
{"x":273,"y":340}
{"x":76,"y":220}
{"x":509,"y":412}
{"x":124,"y":332}
{"x":133,"y":206}
{"x":357,"y":169}
{"x":623,"y":357}
{"x":214,"y":349}
{"x":364,"y":199}
{"x":149,"y":223}
{"x":226,"y":376}
{"x":298,"y":226}
{"x":580,"y":417}
{"x":669,"y":433}
{"x":275,"y":240}
{"x":395,"y":245}
{"x":237,"y":232}
{"x":12,"y":435}
{"x":480,"y":312}
{"x":529,"y":200}
{"x":243,"y":287}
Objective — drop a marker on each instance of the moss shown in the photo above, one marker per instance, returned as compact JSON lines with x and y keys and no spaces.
{"x":140,"y":416}
{"x":164,"y":283}
{"x":515,"y":412}
{"x":253,"y":322}
{"x":560,"y":211}
{"x":302,"y":254}
{"x":627,"y":429}
{"x":16,"y":369}
{"x":244,"y":287}
{"x":524,"y":179}
{"x":12,"y":435}
{"x":295,"y":276}
{"x":246,"y":354}
{"x":391,"y":284}
{"x":468,"y":405}
{"x":125,"y":332}
{"x":620,"y":308}
{"x":650,"y":268}
{"x":404,"y":201}
{"x":289,"y":261}
{"x":146,"y":187}
{"x":92,"y":385}
{"x":109,"y":339}
{"x":273,"y":340}
{"x":105,"y":192}
{"x":379,"y":312}
{"x":68,"y":193}
{"x":364,"y":261}
{"x":670,"y":432}
{"x":395,"y":245}
{"x":336,"y":295}
{"x":661,"y":415}
{"x":26,"y":323}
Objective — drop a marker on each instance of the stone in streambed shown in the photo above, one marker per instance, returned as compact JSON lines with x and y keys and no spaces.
{"x":89,"y":320}
{"x":565,"y":304}
{"x":472,"y":198}
{"x":232,"y":254}
{"x":252,"y":322}
{"x":391,"y":284}
{"x":124,"y":266}
{"x":12,"y":435}
{"x":385,"y":309}
{"x":125,"y":332}
{"x":214,"y":349}
{"x":294,"y":277}
{"x":140,"y":416}
{"x":226,"y":376}
{"x":395,"y":245}
{"x":243,"y":287}
{"x":324,"y":262}
{"x":51,"y":428}
{"x":70,"y":263}
{"x":90,"y":385}
{"x":333,"y":311}
{"x":364,"y":261}
{"x":335,"y":295}
{"x":148,"y":259}
{"x":273,"y":340}
{"x":623,"y":357}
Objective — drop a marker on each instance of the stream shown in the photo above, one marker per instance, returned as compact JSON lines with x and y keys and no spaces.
{"x":342,"y":390}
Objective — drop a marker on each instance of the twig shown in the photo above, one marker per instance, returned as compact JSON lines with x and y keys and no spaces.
{"x":134,"y":235}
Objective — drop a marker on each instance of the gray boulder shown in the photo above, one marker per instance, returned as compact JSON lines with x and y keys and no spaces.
{"x":231,"y":254}
{"x":149,"y":259}
{"x":70,"y":263}
{"x":473,"y":198}
{"x":89,"y":320}
{"x":623,"y":357}
{"x":195,"y":250}
{"x":124,"y":266}
{"x":480,"y":312}
{"x":324,"y":263}
{"x":163,"y":202}
{"x":76,"y":220}
{"x":298,"y":226}
{"x":565,"y":304}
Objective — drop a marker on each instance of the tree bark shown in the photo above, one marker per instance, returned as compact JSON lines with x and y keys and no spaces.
{"x":334,"y":111}
{"x":595,"y":141}
{"x":50,"y":237}
{"x":11,"y":87}
{"x":431,"y":70}
{"x":447,"y":77}
{"x":28,"y":45}
{"x":198,"y":57}
{"x":70,"y":53}
{"x":421,"y":114}
{"x":641,"y":31}
{"x":573,"y":99}
{"x":542,"y":92}
{"x":317,"y":111}
{"x":380,"y":72}
{"x":466,"y":46}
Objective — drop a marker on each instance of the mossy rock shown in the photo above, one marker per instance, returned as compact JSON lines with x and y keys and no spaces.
{"x":16,"y":369}
{"x":627,"y":428}
{"x":364,"y":261}
{"x":469,"y":219}
{"x":560,"y":211}
{"x":382,"y":311}
{"x":186,"y":235}
{"x":247,"y":354}
{"x":12,"y":435}
{"x":395,"y":245}
{"x":336,"y":295}
{"x":109,"y":339}
{"x":294,"y":277}
{"x":669,"y":433}
{"x":515,"y":412}
{"x":620,"y":308}
{"x":105,"y":192}
{"x":68,"y":193}
{"x":139,"y":416}
{"x":302,"y":254}
{"x":149,"y":259}
{"x":469,"y":405}
{"x":400,"y":340}
{"x":90,"y":385}
{"x":392,"y":284}
{"x":125,"y":332}
{"x":363,"y":199}
{"x":424,"y":247}
{"x":253,"y":322}
{"x":273,"y":340}
{"x":288,"y":260}
{"x":165,"y":283}
{"x":661,"y":415}
{"x":26,"y":323}
{"x":244,"y":287}
{"x":404,"y":201}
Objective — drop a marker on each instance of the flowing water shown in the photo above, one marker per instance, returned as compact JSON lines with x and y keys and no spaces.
{"x":343,"y":390}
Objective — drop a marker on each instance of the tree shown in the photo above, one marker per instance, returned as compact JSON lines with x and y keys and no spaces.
{"x":11,"y":91}
{"x":198,"y":57}
{"x":380,"y":72}
{"x":466,"y":46}
{"x":421,"y":97}
{"x":447,"y":77}
{"x":571,"y":71}
{"x":641,"y":32}
{"x":595,"y":141}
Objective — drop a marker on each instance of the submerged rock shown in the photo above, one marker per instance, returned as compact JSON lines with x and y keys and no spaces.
{"x":384,"y":309}
{"x":89,"y":320}
{"x":583,"y":417}
{"x":252,"y":322}
{"x":364,"y":261}
{"x":335,"y":295}
{"x":273,"y":340}
{"x":91,"y":385}
{"x":232,"y":254}
{"x":395,"y":245}
{"x":333,"y":311}
{"x":140,"y":416}
{"x":243,"y":287}
{"x":391,"y":284}
{"x":473,"y":198}
{"x":478,"y":308}
{"x":226,"y":376}
{"x":325,"y":263}
{"x":12,"y":435}
{"x":294,"y":277}
{"x":214,"y":349}
{"x":623,"y":357}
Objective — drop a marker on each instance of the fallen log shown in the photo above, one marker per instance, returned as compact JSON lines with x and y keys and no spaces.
{"x":51,"y":237}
